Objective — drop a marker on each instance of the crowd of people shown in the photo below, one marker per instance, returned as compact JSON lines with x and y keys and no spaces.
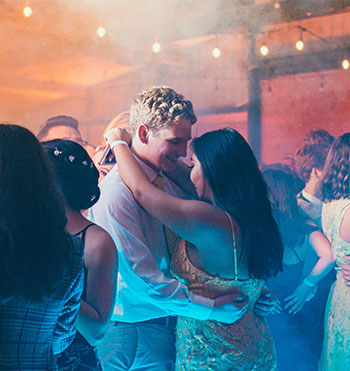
{"x":125,"y":258}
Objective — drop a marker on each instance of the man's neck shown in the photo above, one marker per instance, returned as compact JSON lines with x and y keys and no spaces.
{"x":143,"y":158}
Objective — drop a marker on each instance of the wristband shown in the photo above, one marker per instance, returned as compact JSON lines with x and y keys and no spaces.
{"x":308,"y":283}
{"x":115,"y":142}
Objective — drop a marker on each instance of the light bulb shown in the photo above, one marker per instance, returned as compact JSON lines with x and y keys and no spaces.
{"x":216,"y":52}
{"x":27,"y":11}
{"x":264,"y":50}
{"x":156,"y":47}
{"x":299,"y":45}
{"x":345,"y":64}
{"x":101,"y":32}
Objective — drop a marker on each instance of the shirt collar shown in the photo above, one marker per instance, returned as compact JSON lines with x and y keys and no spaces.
{"x":150,"y":172}
{"x":311,"y":198}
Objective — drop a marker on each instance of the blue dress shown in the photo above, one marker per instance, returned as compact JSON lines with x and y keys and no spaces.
{"x":298,"y":334}
{"x":80,"y":355}
{"x":31,"y":333}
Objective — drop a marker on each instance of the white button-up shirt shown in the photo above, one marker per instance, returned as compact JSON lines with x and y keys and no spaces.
{"x":145,"y":289}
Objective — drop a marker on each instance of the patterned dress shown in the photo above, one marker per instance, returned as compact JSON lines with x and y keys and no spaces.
{"x":336,"y":346}
{"x":31,"y":333}
{"x":209,"y":345}
{"x":80,"y":355}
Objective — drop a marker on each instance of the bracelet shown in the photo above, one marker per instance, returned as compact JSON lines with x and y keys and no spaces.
{"x":115,"y":142}
{"x":308,"y":283}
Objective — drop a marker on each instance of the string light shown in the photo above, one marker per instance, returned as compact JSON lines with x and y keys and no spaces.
{"x":101,"y":32}
{"x":345,"y":64}
{"x":156,"y":47}
{"x":264,"y":50}
{"x":27,"y":11}
{"x":216,"y":52}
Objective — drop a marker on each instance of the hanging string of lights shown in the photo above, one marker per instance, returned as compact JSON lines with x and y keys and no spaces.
{"x":216,"y":52}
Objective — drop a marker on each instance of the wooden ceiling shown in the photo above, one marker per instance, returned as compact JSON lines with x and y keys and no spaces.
{"x":56,"y":53}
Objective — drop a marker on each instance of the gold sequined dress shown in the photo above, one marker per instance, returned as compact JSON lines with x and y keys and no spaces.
{"x":210,"y":345}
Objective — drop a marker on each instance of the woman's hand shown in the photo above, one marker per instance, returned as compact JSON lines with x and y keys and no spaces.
{"x":118,"y":134}
{"x":295,"y":302}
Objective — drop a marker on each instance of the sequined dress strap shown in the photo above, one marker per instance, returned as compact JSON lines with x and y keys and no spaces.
{"x":234,"y":245}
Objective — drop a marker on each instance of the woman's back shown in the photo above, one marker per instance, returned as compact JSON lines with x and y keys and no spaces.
{"x":32,"y":332}
{"x":212,"y":345}
{"x":41,"y":275}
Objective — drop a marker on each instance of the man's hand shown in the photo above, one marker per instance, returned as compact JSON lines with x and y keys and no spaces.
{"x":267,"y":304}
{"x":345,"y":270}
{"x":229,"y":308}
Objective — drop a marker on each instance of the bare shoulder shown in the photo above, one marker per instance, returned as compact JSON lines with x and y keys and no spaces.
{"x":99,"y":245}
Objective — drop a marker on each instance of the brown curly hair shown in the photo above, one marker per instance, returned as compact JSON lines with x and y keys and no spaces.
{"x":336,"y":173}
{"x":310,"y":156}
{"x":158,"y":107}
{"x":318,"y":136}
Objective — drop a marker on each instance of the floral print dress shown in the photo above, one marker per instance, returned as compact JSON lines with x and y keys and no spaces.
{"x":336,"y":345}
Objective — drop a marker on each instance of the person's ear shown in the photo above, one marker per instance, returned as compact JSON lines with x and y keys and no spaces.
{"x":143,"y":133}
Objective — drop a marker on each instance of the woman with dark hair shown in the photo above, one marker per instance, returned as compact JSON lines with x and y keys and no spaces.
{"x":298,"y":329}
{"x":230,"y":242}
{"x":77,"y":179}
{"x":336,"y":227}
{"x":41,"y":269}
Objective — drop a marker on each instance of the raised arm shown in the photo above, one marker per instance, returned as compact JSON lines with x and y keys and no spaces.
{"x":140,"y":278}
{"x":322,"y":247}
{"x":101,"y":262}
{"x":197,"y":222}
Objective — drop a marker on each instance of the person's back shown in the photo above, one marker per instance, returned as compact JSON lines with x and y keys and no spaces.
{"x":41,"y":271}
{"x":298,"y":329}
{"x":33,"y":333}
{"x":336,"y":223}
{"x":77,"y":179}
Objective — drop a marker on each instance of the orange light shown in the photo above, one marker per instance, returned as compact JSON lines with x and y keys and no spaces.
{"x":299,"y":45}
{"x":216,"y":52}
{"x":156,"y":47}
{"x":101,"y":32}
{"x":264,"y":50}
{"x":345,"y":64}
{"x":27,"y":11}
{"x":277,"y":5}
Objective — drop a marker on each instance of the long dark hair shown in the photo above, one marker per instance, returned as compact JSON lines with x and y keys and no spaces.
{"x":335,"y":182}
{"x":75,"y":173}
{"x":284,"y":186}
{"x":238,"y":187}
{"x":34,"y":248}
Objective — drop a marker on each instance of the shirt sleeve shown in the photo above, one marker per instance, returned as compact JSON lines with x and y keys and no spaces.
{"x":137,"y":266}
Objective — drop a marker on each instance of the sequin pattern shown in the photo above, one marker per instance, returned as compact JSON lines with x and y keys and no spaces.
{"x":210,"y":345}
